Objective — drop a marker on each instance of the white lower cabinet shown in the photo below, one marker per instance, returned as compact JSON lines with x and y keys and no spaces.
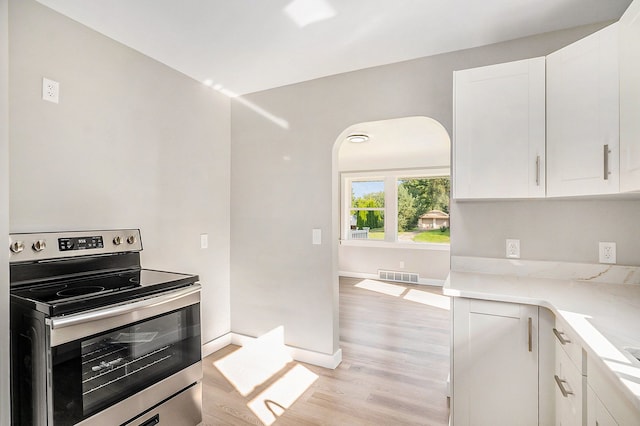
{"x":495,"y":363}
{"x":516,"y":364}
{"x":606,"y":402}
{"x":585,"y":394}
{"x":597,"y":413}
{"x":568,"y":393}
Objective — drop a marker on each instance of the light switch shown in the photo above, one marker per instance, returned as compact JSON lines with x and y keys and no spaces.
{"x":316,"y":236}
{"x":204,"y":241}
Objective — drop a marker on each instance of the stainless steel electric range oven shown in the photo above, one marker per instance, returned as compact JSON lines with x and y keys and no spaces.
{"x":96,"y":339}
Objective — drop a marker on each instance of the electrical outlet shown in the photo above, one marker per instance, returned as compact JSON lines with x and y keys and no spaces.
{"x":607,"y":252}
{"x":50,"y":90}
{"x":513,"y":249}
{"x":402,"y":264}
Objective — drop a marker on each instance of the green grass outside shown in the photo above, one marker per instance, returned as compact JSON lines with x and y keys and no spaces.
{"x":433,"y":236}
{"x":376,"y":234}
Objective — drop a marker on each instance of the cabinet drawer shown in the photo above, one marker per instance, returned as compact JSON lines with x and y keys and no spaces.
{"x":610,"y":396}
{"x":597,"y":413}
{"x":568,"y":341}
{"x":569,"y":390}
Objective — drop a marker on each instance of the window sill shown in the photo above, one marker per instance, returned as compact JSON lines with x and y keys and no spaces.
{"x":396,"y":245}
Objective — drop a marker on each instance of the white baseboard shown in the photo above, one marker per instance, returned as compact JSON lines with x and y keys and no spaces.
{"x":364,"y":275}
{"x":216,"y":344}
{"x":316,"y":358}
{"x":298,"y":354}
{"x":432,"y":282}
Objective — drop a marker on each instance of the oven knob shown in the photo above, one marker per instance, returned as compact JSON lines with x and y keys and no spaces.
{"x":17,"y":246}
{"x":39,"y":245}
{"x":131,"y":239}
{"x":117,"y":240}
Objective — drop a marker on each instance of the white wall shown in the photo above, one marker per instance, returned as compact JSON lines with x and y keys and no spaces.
{"x":431,"y":265}
{"x":4,"y":212}
{"x":132,"y":143}
{"x":278,"y":277}
{"x":562,"y":230}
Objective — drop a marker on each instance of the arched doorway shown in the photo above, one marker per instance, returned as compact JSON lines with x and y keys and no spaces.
{"x":394,"y":154}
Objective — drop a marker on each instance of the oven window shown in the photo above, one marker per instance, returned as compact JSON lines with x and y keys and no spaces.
{"x":94,"y":373}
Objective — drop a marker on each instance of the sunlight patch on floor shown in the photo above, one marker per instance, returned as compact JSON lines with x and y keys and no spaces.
{"x":380,"y":287}
{"x":262,"y":360}
{"x":426,"y":298}
{"x":256,"y":362}
{"x":278,"y":397}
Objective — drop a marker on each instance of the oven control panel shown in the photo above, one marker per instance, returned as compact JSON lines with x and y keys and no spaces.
{"x":80,"y":243}
{"x":52,"y":245}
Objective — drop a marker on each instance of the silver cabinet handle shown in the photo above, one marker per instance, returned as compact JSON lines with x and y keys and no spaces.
{"x":538,"y":170}
{"x":560,"y":336}
{"x":561,"y":384}
{"x":607,"y":151}
{"x":530,"y":330}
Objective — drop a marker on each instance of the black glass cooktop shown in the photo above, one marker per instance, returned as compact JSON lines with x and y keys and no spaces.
{"x":73,"y":295}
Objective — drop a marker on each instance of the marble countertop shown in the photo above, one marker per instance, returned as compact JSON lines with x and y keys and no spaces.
{"x":604,"y":315}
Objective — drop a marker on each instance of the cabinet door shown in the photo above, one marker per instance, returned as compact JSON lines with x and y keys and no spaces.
{"x":607,"y":403}
{"x":597,"y":413}
{"x":583,"y":116}
{"x":568,"y":390}
{"x":630,"y":98}
{"x":495,"y":363}
{"x":499,"y":131}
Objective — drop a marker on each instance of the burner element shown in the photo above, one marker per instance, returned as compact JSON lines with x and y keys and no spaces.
{"x":79,"y":291}
{"x":47,"y":289}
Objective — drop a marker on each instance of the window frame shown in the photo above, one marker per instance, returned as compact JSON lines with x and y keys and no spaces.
{"x":366,"y":209}
{"x":390,"y":179}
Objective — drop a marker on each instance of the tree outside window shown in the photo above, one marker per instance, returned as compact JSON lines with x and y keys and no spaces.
{"x":422,"y":209}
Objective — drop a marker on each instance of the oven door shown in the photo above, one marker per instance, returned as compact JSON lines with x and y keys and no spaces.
{"x":109,"y":357}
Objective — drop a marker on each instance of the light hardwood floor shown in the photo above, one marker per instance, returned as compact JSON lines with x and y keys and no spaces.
{"x":395,"y":354}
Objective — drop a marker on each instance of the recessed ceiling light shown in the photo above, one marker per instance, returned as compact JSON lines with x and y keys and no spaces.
{"x":208,"y":82}
{"x":358,"y":138}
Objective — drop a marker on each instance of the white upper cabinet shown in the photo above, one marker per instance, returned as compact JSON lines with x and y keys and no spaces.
{"x":499,"y":131}
{"x":583,"y":155}
{"x":630,"y":98}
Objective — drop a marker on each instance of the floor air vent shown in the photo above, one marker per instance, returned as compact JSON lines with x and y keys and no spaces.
{"x":403,"y":277}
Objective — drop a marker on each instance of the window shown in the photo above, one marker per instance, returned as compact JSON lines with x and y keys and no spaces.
{"x":366,"y":216}
{"x":423,"y":210}
{"x":396,"y":207}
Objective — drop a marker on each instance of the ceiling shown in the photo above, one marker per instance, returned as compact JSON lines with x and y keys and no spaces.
{"x":244,"y":46}
{"x":419,"y":143}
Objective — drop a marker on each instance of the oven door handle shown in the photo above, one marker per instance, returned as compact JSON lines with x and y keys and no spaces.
{"x":71,"y":320}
